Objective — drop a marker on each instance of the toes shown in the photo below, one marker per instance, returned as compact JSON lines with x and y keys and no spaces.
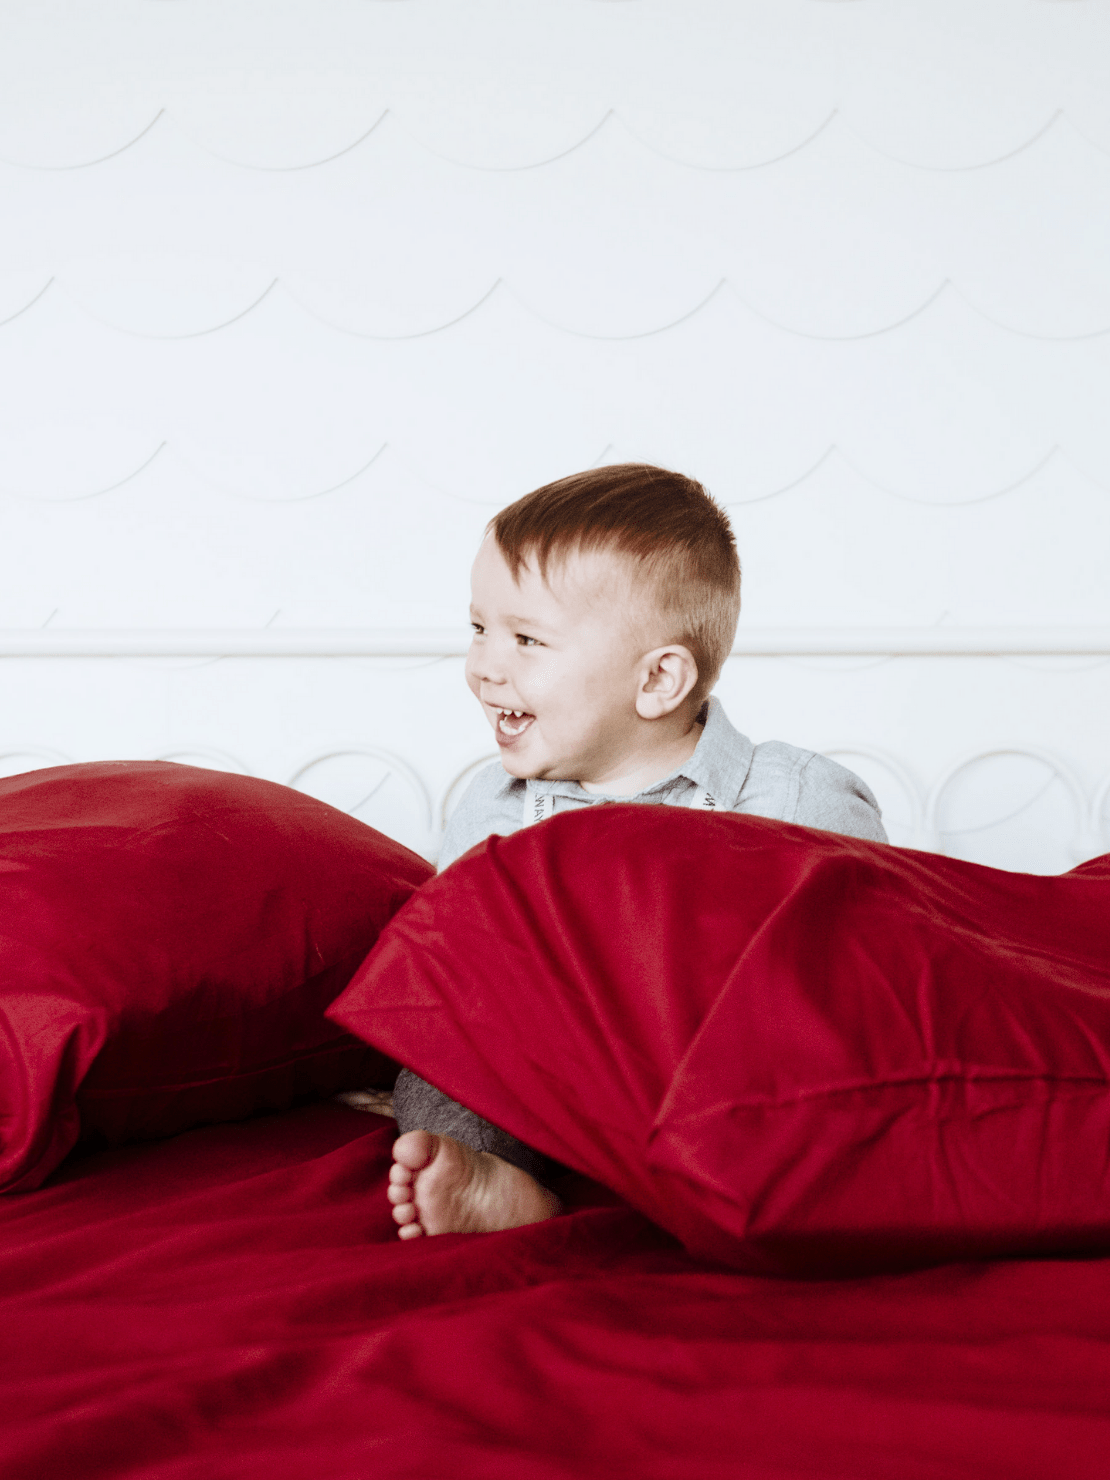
{"x":414,"y":1149}
{"x":407,"y":1220}
{"x":411,"y":1152}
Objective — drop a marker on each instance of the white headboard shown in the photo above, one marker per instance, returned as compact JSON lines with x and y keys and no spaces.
{"x":293,"y":299}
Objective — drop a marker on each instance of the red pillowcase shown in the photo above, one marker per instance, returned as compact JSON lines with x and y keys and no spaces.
{"x":798,"y":1052}
{"x":169,"y":940}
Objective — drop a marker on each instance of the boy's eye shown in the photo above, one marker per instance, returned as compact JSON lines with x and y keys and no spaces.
{"x":527,"y":641}
{"x":477,"y":628}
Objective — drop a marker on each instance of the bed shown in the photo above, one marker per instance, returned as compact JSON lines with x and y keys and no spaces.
{"x":231,"y":1299}
{"x":234,"y":1302}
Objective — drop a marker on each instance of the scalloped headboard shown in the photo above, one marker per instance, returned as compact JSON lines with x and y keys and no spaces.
{"x":291,"y":303}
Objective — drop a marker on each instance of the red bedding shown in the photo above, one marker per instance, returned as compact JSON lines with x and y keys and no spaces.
{"x":798,"y":1052}
{"x":234,"y":1302}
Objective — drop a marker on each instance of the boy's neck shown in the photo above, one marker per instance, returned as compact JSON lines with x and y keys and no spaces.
{"x":645,"y":768}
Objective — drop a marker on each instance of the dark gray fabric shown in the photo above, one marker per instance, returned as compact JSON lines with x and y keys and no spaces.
{"x":419,"y":1106}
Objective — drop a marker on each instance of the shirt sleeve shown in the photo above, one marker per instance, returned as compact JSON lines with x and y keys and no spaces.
{"x":834,"y":798}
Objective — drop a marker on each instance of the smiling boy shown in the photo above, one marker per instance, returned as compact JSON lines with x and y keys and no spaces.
{"x":604,"y":607}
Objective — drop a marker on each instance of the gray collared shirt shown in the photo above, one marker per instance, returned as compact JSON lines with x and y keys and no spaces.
{"x":768,"y":780}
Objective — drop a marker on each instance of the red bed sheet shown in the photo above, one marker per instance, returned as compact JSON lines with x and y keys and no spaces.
{"x":234,"y":1303}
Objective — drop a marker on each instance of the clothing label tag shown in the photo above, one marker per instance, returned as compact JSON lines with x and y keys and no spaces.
{"x":701,"y":801}
{"x":538,"y":806}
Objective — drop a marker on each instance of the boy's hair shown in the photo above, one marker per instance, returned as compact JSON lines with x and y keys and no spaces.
{"x":676,"y":539}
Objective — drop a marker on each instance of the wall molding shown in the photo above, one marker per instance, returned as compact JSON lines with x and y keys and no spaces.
{"x":1089,"y":836}
{"x":430,"y":642}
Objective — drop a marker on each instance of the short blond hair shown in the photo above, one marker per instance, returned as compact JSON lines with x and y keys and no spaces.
{"x":677,"y":540}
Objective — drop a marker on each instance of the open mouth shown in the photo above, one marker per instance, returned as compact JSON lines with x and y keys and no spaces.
{"x":511,"y":723}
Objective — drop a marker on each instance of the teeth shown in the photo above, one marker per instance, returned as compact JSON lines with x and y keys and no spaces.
{"x":504,"y":716}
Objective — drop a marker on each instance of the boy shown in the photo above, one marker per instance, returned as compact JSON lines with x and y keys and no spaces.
{"x":604,"y":608}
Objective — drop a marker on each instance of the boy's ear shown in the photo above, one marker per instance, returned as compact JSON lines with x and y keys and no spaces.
{"x":666,"y":678}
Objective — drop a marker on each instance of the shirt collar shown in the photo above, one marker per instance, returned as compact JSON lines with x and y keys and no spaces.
{"x":722,"y":758}
{"x":720,"y":762}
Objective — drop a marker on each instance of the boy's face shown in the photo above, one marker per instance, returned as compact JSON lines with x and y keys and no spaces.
{"x":563,"y":655}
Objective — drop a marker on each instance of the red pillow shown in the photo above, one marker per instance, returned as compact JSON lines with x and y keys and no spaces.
{"x":798,"y":1052}
{"x":169,"y":940}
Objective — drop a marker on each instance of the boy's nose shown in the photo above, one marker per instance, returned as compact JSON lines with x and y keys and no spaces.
{"x":483,"y":663}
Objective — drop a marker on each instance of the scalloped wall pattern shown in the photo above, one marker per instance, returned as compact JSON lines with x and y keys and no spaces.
{"x":292,"y":300}
{"x":834,"y":240}
{"x":944,"y":82}
{"x":947,"y":408}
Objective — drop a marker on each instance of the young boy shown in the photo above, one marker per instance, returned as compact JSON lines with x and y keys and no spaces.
{"x":604,"y":608}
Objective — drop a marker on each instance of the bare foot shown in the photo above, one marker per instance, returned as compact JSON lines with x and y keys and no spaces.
{"x":438,"y":1185}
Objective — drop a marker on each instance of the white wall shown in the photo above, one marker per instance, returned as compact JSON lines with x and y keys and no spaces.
{"x":295,"y":295}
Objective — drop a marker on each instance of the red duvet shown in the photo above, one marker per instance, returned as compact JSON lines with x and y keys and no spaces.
{"x":782,"y":1045}
{"x":234,"y":1303}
